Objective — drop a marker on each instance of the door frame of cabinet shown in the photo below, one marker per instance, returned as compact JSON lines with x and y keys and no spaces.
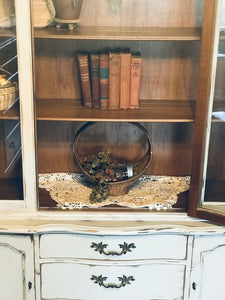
{"x":26,"y":94}
{"x":26,"y":83}
{"x":204,"y":100}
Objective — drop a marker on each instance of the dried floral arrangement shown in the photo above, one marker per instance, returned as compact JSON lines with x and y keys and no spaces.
{"x":105,"y":161}
{"x":105,"y":168}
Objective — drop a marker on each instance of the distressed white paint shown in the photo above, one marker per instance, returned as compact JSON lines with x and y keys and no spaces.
{"x":16,"y":268}
{"x":108,"y":224}
{"x":208,"y":267}
{"x":105,"y":224}
{"x":154,"y":246}
{"x":162,"y":259}
{"x":9,"y":205}
{"x":187,"y":281}
{"x":24,"y":49}
{"x":72,"y":281}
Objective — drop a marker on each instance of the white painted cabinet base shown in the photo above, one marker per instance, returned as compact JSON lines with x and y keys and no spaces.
{"x":67,"y":267}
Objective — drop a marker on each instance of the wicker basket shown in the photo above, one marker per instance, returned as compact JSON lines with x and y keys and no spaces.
{"x":8,"y":96}
{"x":135,"y":135}
{"x":8,"y":92}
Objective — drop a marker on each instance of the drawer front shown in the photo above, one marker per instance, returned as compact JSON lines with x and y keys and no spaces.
{"x":160,"y":246}
{"x":89,"y":282}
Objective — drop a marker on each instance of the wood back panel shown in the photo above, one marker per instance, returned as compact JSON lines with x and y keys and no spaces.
{"x":141,"y":13}
{"x":169,"y":68}
{"x":171,"y":143}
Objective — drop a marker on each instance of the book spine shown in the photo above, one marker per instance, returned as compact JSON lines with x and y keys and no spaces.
{"x":95,"y":80}
{"x":104,"y":80}
{"x":114,"y":80}
{"x":136,"y":62}
{"x":125,"y":73}
{"x":85,"y":79}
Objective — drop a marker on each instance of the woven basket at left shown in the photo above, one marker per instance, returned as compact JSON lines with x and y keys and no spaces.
{"x":8,"y":95}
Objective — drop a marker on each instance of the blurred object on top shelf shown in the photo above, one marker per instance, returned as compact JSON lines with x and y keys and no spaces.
{"x":7,"y":14}
{"x":43,"y":13}
{"x":67,"y":12}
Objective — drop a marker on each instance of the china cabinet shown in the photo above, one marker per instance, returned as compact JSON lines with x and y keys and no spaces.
{"x":157,"y":248}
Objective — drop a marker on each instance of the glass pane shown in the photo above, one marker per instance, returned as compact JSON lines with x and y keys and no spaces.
{"x":66,"y":77}
{"x":11,"y":184}
{"x":215,"y":173}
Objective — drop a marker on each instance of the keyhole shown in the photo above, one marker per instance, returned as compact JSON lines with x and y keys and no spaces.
{"x":194,"y":286}
{"x":29,"y":285}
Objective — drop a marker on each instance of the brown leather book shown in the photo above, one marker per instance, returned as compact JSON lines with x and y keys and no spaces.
{"x":95,"y":79}
{"x":114,"y":79}
{"x":85,"y":78}
{"x":135,"y":80}
{"x":104,"y":79}
{"x":125,"y":68}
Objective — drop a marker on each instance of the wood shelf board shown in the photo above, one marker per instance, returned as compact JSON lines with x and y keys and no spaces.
{"x":121,"y":33}
{"x":149,"y":111}
{"x":219,"y":105}
{"x":7,"y":32}
{"x":11,"y":114}
{"x":215,"y":190}
{"x":11,"y":189}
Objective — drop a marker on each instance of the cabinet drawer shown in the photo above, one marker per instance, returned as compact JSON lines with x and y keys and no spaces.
{"x":159,"y":246}
{"x":80,"y":281}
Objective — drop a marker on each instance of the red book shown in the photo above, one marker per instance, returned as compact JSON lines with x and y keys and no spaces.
{"x":104,"y":80}
{"x":114,"y":79}
{"x":95,"y":79}
{"x":135,"y":80}
{"x":85,"y":79}
{"x":125,"y":68}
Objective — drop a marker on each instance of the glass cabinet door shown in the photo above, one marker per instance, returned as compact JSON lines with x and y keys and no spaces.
{"x":17,"y":158}
{"x":208,"y":182}
{"x":214,"y":189}
{"x":11,"y":183}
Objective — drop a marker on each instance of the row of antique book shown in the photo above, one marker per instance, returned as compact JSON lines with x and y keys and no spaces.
{"x":110,"y":79}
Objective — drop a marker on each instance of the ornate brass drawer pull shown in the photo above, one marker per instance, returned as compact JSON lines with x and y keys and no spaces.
{"x":123,"y":281}
{"x":100,"y":247}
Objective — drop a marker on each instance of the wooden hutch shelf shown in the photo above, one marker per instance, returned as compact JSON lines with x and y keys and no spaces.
{"x":8,"y":32}
{"x":113,"y":33}
{"x":11,"y":114}
{"x":149,"y":111}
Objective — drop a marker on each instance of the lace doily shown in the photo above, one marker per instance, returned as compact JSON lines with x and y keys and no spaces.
{"x":71,"y":191}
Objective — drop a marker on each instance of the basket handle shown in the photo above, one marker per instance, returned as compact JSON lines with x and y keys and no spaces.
{"x":3,"y":70}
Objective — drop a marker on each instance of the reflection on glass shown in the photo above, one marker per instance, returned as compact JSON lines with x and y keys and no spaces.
{"x":10,"y":139}
{"x":215,"y":175}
